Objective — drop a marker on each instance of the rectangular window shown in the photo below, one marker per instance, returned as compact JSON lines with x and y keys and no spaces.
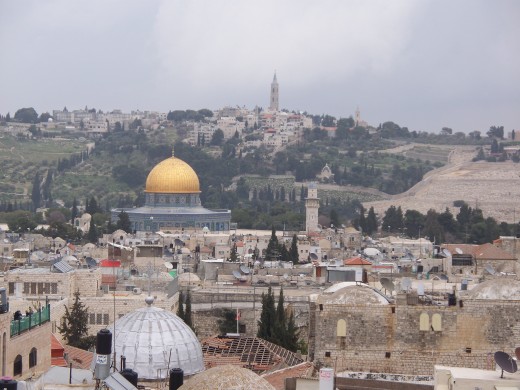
{"x":47,"y":288}
{"x":105,"y":319}
{"x":99,"y":319}
{"x":11,"y":288}
{"x":54,"y":288}
{"x":463,"y":261}
{"x":33,"y":288}
{"x":40,"y":288}
{"x":92,"y":318}
{"x":26,"y":287}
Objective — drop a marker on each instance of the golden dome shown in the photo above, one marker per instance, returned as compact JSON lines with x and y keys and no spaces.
{"x":172,"y":176}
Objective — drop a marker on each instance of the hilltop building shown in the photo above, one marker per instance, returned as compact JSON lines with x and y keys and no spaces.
{"x":172,"y":202}
{"x":273,"y":105}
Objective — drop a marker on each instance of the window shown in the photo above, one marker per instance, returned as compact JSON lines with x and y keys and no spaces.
{"x":11,"y":288}
{"x":424,"y":322}
{"x":437,"y":322}
{"x":341,"y":328}
{"x":54,"y":288}
{"x":17,"y":365}
{"x":99,"y":319}
{"x":105,"y":319}
{"x":33,"y":358}
{"x":462,"y":260}
{"x":92,"y":319}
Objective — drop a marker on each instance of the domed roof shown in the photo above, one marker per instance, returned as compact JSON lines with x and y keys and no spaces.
{"x":172,"y":176}
{"x":227,"y":377}
{"x":153,"y":339}
{"x":352,"y":293}
{"x":503,"y":289}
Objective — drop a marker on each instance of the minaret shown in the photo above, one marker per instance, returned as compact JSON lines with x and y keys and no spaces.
{"x":312,"y":204}
{"x":273,"y":106}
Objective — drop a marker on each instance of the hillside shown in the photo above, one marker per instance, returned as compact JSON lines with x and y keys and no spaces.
{"x":493,"y":187}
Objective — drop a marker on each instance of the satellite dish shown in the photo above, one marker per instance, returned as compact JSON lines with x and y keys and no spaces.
{"x":314,"y":256}
{"x":387,"y":284}
{"x":244,"y":269}
{"x":459,"y":251}
{"x":406,"y":284}
{"x":446,"y":252}
{"x":371,"y":251}
{"x":179,"y":242}
{"x":237,"y":274}
{"x":490,"y":269}
{"x":286,"y":276}
{"x":505,"y":362}
{"x":168,"y":265}
{"x":420,"y":288}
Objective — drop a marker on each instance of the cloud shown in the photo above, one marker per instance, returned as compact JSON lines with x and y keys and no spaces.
{"x":424,"y":64}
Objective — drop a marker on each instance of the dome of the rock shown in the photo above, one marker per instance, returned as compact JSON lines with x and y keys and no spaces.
{"x":172,"y":176}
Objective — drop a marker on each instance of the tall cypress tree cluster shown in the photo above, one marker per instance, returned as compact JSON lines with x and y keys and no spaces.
{"x":275,"y":325}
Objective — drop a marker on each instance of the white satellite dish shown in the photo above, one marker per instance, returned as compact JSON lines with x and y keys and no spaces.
{"x":420,"y":288}
{"x":168,"y":265}
{"x":446,"y":252}
{"x":286,"y":276}
{"x":459,"y":251}
{"x":371,"y":251}
{"x":490,"y":269}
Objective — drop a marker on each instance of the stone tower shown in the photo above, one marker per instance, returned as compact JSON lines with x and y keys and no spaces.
{"x":273,"y":105}
{"x":312,"y":204}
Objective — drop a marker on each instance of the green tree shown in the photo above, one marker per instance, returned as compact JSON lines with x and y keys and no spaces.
{"x":228,"y":322}
{"x":280,"y":322}
{"x":187,"y":312}
{"x":20,"y":221}
{"x":371,"y":221}
{"x":93,"y":233}
{"x":217,"y":138}
{"x":36,"y":192}
{"x":26,"y":115}
{"x":293,"y":252}
{"x":123,"y":222}
{"x":292,"y":334}
{"x":74,"y":211}
{"x":74,"y":323}
{"x":233,"y":255}
{"x":272,"y":250}
{"x":92,"y":206}
{"x":180,"y":309}
{"x":267,"y":317}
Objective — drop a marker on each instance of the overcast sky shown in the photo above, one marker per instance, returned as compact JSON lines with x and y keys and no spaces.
{"x":424,"y":64}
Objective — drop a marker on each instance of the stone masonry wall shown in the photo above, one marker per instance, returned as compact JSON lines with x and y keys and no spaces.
{"x":387,"y":338}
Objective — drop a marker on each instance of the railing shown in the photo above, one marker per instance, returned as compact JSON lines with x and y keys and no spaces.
{"x":25,"y":323}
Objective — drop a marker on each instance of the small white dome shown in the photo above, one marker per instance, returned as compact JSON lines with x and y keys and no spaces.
{"x":153,"y":339}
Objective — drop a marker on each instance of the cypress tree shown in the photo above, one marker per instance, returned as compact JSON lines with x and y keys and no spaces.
{"x":180,"y":309}
{"x":293,"y":252}
{"x":187,"y":313}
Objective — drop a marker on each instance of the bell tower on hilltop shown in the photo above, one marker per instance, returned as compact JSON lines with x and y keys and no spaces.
{"x":273,"y":105}
{"x":312,"y":205}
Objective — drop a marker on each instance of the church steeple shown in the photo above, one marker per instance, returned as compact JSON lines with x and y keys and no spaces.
{"x":273,"y":105}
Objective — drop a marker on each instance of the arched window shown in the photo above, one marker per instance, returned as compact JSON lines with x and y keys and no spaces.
{"x":33,"y":358}
{"x":437,"y":322}
{"x":424,"y":322}
{"x":17,"y":365}
{"x":341,"y":328}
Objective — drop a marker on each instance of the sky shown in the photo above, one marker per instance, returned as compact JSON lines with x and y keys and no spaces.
{"x":423,"y":64}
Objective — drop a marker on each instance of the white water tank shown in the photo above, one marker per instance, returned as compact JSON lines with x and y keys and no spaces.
{"x":326,"y":378}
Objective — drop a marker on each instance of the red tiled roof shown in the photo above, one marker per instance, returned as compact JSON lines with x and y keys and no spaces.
{"x":277,"y":378}
{"x":57,"y":353}
{"x":79,"y":357}
{"x":357,"y":261}
{"x":480,"y":252}
{"x":110,"y":263}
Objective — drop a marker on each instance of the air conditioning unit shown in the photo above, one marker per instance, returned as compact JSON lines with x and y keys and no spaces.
{"x":136,"y":290}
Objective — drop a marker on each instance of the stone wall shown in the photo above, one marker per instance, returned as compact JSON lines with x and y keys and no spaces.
{"x":388,"y":338}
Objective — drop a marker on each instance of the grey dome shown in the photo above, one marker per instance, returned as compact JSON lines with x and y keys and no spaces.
{"x":153,"y":340}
